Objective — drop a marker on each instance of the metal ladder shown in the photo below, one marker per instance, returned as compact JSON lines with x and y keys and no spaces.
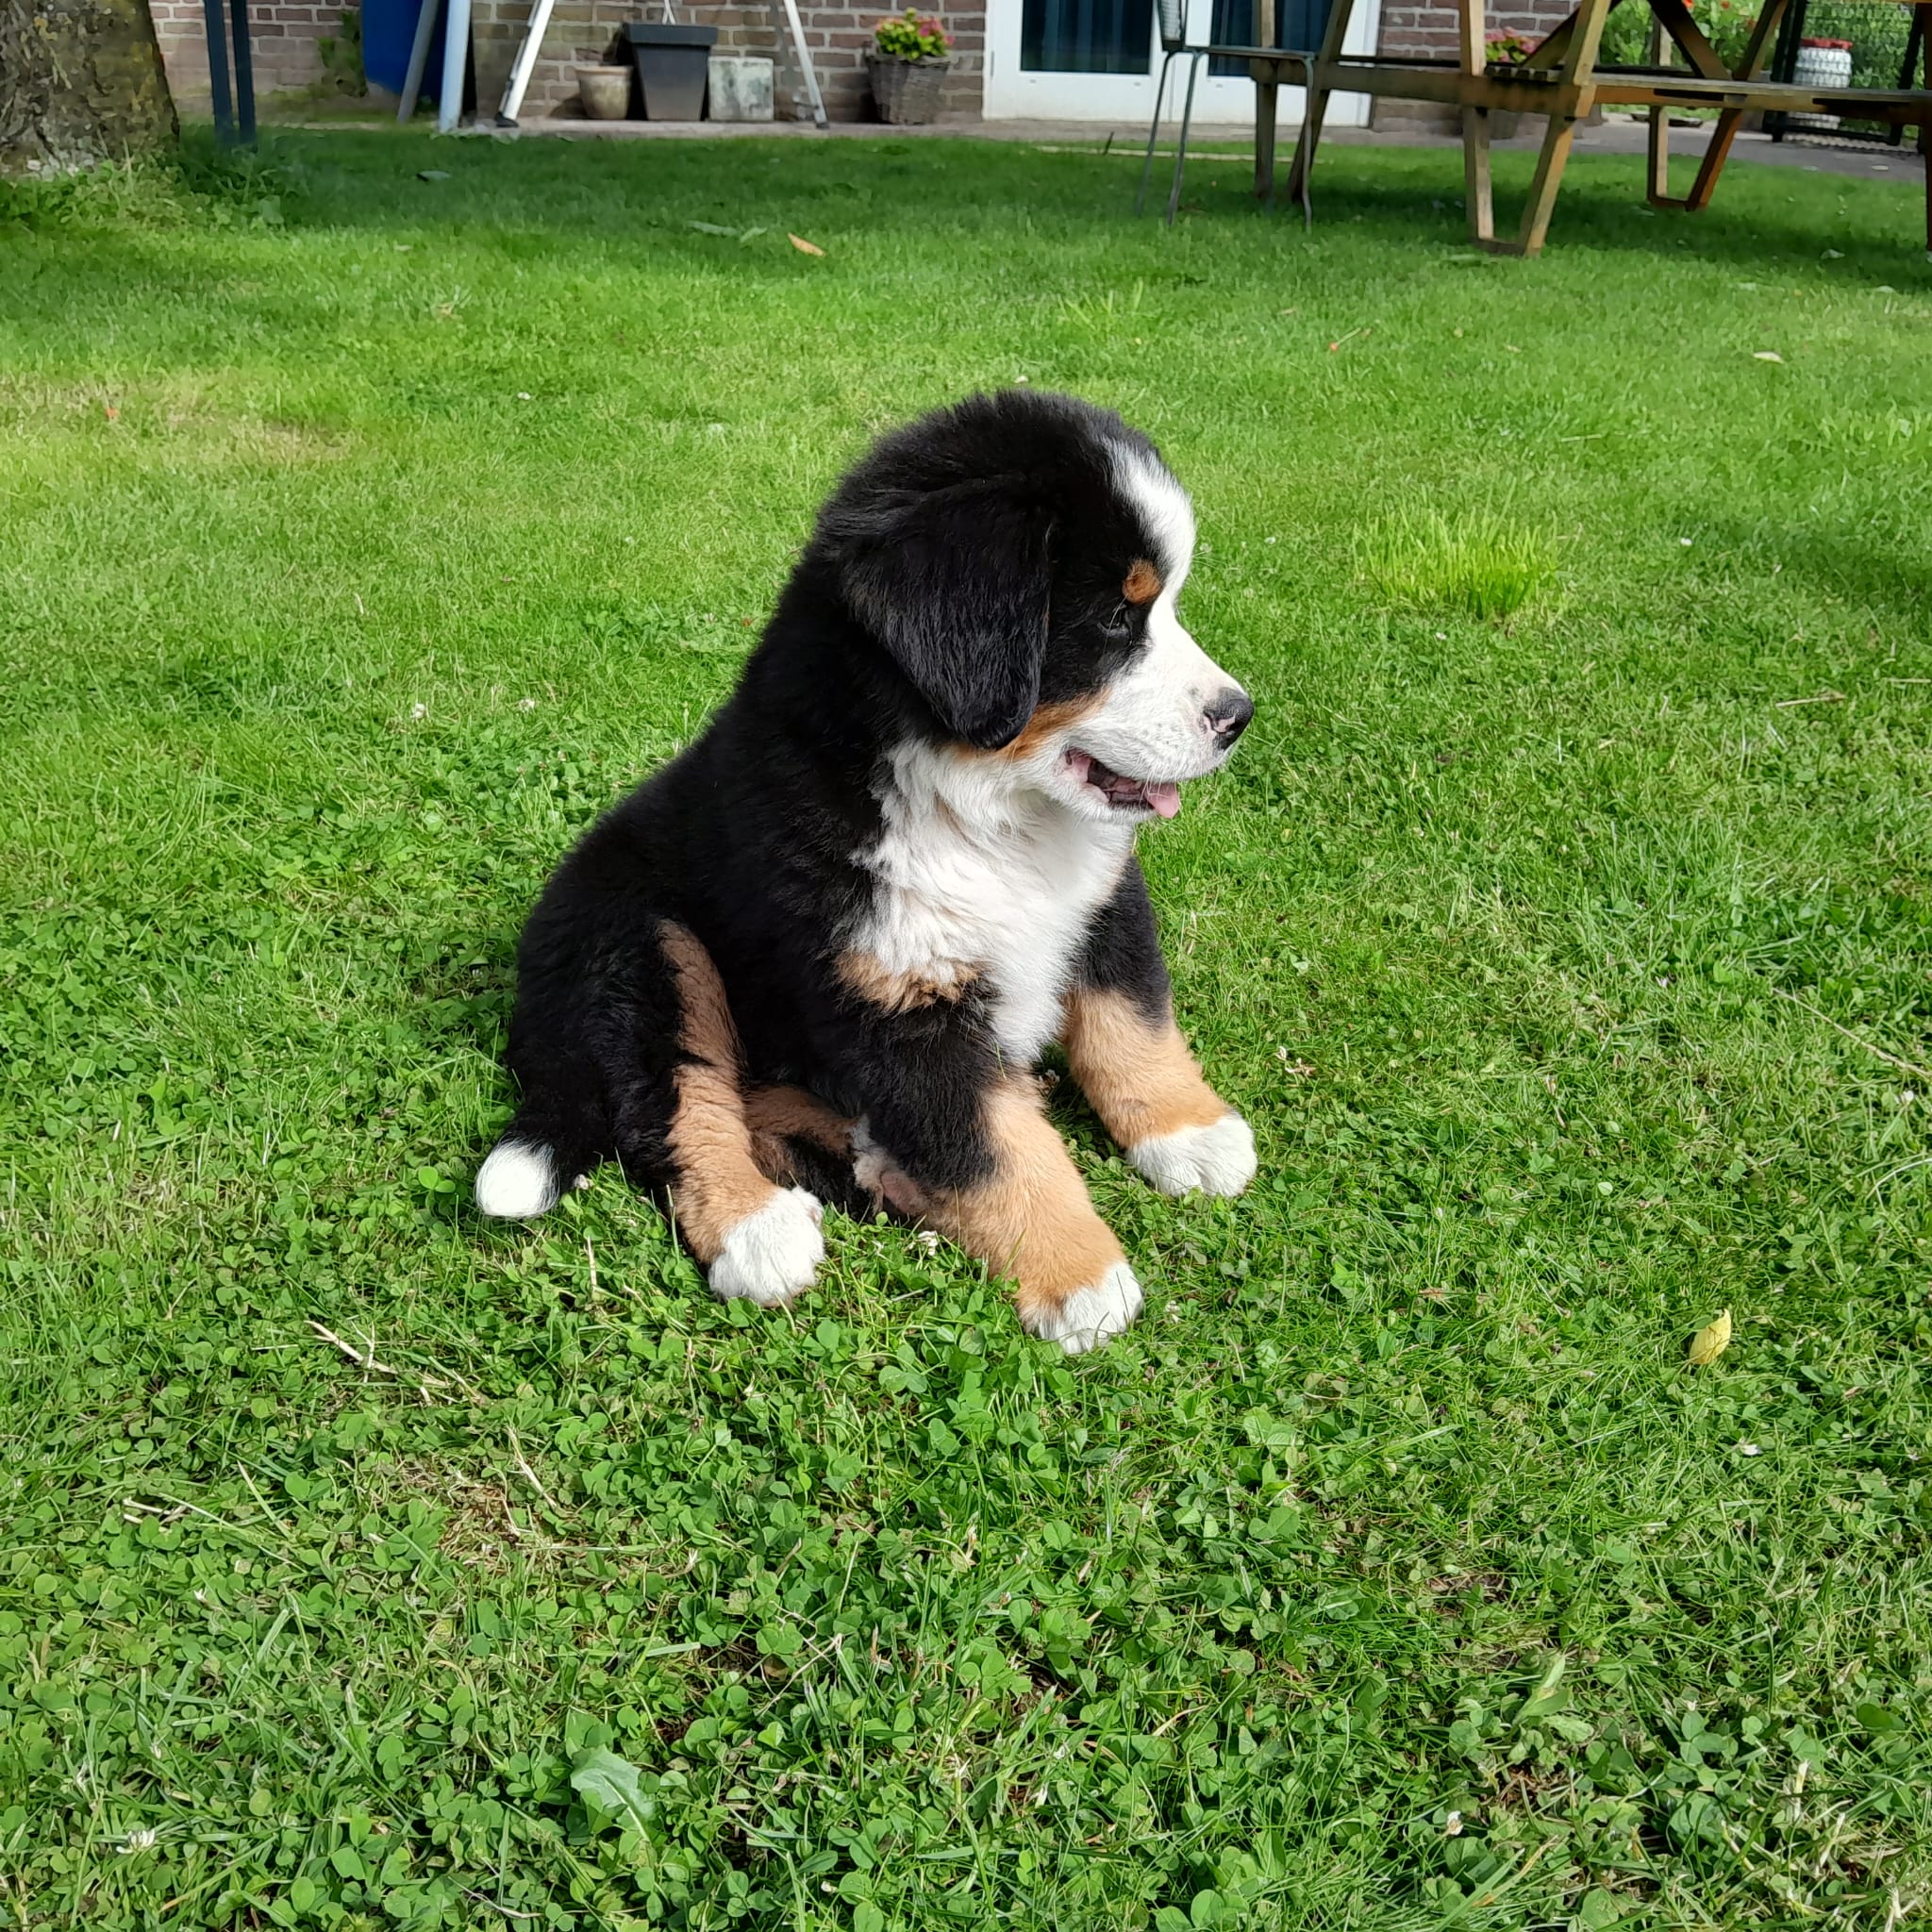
{"x":803,"y":82}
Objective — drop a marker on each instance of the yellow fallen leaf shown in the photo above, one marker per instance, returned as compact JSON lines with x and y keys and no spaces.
{"x":1766,"y":356}
{"x":804,"y":247}
{"x":1708,"y":1343}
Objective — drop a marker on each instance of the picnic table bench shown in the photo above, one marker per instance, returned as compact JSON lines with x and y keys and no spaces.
{"x":1560,"y":78}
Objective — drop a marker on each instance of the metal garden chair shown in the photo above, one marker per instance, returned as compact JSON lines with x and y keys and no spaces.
{"x":1297,"y":29}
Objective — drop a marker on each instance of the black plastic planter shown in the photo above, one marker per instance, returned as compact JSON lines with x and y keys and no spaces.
{"x":673,"y":65}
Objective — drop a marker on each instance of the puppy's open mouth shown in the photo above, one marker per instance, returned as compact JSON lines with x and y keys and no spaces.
{"x":1163,"y":799}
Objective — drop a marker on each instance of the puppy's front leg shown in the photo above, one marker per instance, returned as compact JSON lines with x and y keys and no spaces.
{"x":1125,"y":1051}
{"x":1026,"y":1215}
{"x":1143,"y":1083}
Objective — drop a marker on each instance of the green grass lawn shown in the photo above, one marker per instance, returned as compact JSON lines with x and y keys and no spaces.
{"x":363,"y":537}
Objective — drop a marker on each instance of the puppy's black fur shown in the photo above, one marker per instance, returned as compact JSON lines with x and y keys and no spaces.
{"x":982,"y":571}
{"x":966,"y":571}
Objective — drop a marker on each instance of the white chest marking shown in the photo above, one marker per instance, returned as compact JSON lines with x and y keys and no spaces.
{"x":978,"y":878}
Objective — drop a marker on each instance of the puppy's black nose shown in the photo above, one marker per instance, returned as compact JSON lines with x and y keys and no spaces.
{"x":1228,"y":715}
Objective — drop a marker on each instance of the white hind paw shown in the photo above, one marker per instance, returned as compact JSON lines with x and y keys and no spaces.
{"x":1089,"y":1317}
{"x":517,"y":1182}
{"x":772,"y":1254}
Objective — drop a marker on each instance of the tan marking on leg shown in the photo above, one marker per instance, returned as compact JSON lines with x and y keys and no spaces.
{"x":1140,"y":1077}
{"x":1143,"y":584}
{"x":867,"y":975}
{"x":1032,"y":1220}
{"x":718,"y":1180}
{"x":778,"y":1115}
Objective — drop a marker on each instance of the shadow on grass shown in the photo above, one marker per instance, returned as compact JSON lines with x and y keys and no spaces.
{"x":527,"y":196}
{"x":1894,"y":581}
{"x":1762,"y":217}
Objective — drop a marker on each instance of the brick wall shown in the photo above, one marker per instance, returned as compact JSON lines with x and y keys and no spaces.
{"x":286,"y":33}
{"x":283,"y":34}
{"x":585,"y":29}
{"x":1412,"y":27}
{"x":838,"y":36}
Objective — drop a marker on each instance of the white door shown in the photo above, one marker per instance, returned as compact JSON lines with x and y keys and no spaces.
{"x":1099,"y":60}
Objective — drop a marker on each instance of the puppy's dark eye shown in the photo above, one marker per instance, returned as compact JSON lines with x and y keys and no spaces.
{"x":1121,"y":622}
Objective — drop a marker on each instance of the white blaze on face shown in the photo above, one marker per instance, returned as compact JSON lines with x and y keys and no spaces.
{"x":1152,"y":722}
{"x":1167,"y":514}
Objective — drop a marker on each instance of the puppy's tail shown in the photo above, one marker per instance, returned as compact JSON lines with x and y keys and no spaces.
{"x":551,"y":1145}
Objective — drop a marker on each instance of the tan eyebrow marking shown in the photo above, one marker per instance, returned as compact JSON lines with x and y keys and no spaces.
{"x":1143,"y":584}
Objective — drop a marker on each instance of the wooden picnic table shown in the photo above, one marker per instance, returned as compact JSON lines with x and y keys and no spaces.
{"x":1560,"y":78}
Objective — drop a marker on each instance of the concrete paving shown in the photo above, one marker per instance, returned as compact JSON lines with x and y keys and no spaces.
{"x":1868,"y":162}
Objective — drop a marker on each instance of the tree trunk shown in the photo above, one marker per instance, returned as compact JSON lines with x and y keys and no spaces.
{"x":80,"y":83}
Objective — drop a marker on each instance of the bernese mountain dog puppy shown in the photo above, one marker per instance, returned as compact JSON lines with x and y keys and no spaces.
{"x":824,"y":947}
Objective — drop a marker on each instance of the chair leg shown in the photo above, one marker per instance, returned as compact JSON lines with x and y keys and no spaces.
{"x":1314,"y":112}
{"x":1180,"y":159}
{"x":1307,"y":197}
{"x":1153,"y":135}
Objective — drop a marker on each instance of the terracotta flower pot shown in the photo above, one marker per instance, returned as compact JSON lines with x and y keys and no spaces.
{"x":605,"y":92}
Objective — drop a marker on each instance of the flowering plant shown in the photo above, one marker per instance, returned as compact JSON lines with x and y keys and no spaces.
{"x":1728,"y":24}
{"x":911,"y":37}
{"x":1506,"y":50}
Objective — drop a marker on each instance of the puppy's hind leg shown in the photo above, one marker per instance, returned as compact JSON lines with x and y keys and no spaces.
{"x":798,"y":1141}
{"x":551,"y":1145}
{"x":756,"y":1239}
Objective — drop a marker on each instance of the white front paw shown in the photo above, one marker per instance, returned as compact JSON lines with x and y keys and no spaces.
{"x":1218,"y":1159}
{"x":1090,"y":1317}
{"x":772,"y":1254}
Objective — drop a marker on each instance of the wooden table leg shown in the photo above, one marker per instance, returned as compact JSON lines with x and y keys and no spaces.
{"x":1542,"y":188}
{"x":1576,"y":78}
{"x":1315,"y":99}
{"x":1922,"y":15}
{"x":1712,"y":165}
{"x":1478,"y":198}
{"x":1265,"y":91}
{"x":1722,"y":136}
{"x":1304,"y":163}
{"x":1657,"y":181}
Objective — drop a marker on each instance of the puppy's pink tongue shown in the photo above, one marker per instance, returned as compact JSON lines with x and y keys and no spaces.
{"x":1165,"y":799}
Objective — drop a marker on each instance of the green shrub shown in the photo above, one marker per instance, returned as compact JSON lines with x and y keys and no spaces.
{"x":341,"y":57}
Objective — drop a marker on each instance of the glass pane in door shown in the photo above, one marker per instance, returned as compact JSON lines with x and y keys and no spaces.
{"x":1086,"y":36}
{"x":1234,"y":27}
{"x":1299,"y":26}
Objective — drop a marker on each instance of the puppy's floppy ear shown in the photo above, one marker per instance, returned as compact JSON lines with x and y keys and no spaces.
{"x":957,"y":585}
